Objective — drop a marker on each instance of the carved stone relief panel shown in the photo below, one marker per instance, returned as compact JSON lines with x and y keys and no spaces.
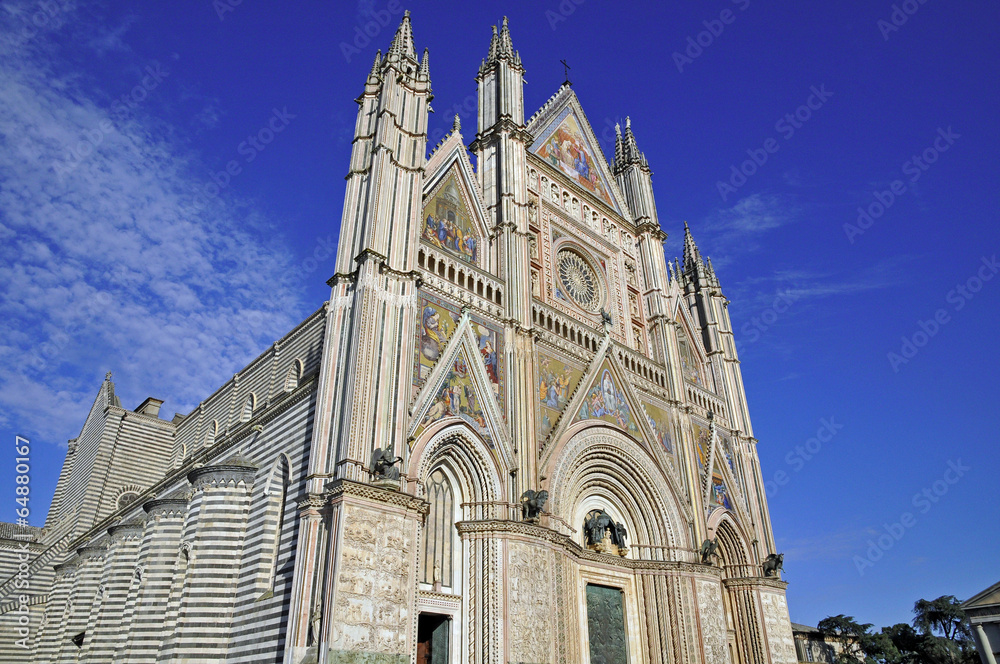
{"x":779,"y":628}
{"x":713,"y":623}
{"x":374,"y":584}
{"x":530,"y":604}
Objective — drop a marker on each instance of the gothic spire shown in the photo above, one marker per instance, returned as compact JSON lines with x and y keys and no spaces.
{"x":626,"y":150}
{"x":425,"y":65}
{"x":501,"y":46}
{"x":692,"y":258}
{"x":402,"y":42}
{"x":373,"y":74}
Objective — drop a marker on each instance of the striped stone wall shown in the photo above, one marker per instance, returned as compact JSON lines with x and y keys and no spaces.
{"x":199,"y":567}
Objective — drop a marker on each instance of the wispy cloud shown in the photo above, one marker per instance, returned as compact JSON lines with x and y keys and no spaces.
{"x":727,"y":233}
{"x":115,"y":263}
{"x":807,"y":284}
{"x":751,"y":215}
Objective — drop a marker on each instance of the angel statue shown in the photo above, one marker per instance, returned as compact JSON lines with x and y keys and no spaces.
{"x":383,"y":465}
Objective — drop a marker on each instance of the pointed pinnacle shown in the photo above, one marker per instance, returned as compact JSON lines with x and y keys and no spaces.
{"x":494,"y":47}
{"x":376,"y":64}
{"x":425,"y":65}
{"x":691,"y":256}
{"x":456,"y":126}
{"x":402,"y":42}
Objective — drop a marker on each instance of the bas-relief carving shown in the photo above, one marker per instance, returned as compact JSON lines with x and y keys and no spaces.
{"x":713,"y":623}
{"x":530,"y":604}
{"x":374,"y":587}
{"x":779,"y":628}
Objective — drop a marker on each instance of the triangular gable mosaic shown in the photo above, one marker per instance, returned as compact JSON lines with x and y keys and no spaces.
{"x":606,"y":401}
{"x":436,"y":323}
{"x":691,"y":365}
{"x":457,"y":397}
{"x":719,"y":494}
{"x":662,"y":425}
{"x":448,"y":223}
{"x":557,"y":381}
{"x":564,"y":144}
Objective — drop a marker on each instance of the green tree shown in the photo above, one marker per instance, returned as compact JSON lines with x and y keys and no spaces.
{"x":908,"y":644}
{"x":849,"y":633}
{"x":946,"y":631}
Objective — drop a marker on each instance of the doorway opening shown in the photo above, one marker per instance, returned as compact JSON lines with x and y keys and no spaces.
{"x":432,"y":638}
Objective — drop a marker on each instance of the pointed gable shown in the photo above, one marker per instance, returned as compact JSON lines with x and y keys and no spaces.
{"x":466,"y":381}
{"x":459,"y":397}
{"x":605,"y":400}
{"x":448,"y":222}
{"x":453,"y":219}
{"x":565,"y":140}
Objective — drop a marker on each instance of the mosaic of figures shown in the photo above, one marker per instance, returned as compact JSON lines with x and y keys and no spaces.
{"x":568,"y":150}
{"x":606,"y":401}
{"x":435,"y":327}
{"x":556,"y":383}
{"x":690,"y":364}
{"x":457,"y":397}
{"x":726,"y":450}
{"x":702,"y":445}
{"x":661,"y":423}
{"x":719,"y":496}
{"x":448,"y":224}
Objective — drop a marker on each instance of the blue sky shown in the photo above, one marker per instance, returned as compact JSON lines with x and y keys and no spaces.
{"x":123,"y":247}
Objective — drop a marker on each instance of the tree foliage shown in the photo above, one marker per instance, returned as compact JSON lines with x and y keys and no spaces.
{"x":941,"y":634}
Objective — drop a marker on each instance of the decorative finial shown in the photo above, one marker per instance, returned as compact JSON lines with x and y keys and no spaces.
{"x":618,"y":129}
{"x":566,"y":69}
{"x":457,"y":125}
{"x":107,"y":376}
{"x":628,"y":122}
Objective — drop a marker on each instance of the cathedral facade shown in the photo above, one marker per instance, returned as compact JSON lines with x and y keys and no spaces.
{"x":515,"y":433}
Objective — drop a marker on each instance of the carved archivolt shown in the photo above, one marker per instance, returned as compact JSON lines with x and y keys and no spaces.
{"x":474,"y":465}
{"x":601,"y":462}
